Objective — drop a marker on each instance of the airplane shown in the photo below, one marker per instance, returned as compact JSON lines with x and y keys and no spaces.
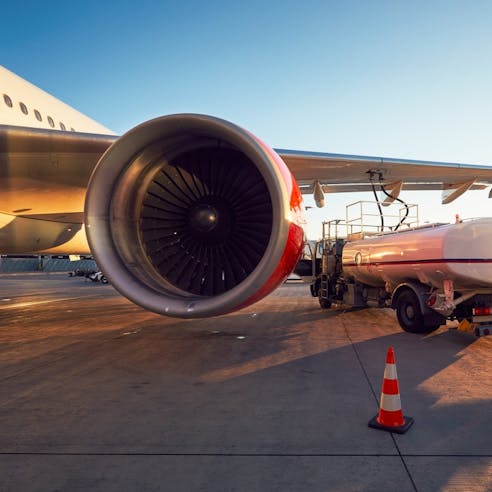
{"x":188,"y":215}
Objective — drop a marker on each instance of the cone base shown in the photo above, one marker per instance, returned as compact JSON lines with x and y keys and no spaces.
{"x":398,"y":429}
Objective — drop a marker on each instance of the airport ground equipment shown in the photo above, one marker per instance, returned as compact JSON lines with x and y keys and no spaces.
{"x":428,"y":274}
{"x":95,"y":276}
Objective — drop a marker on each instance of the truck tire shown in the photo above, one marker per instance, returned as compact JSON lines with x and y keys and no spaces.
{"x":409,"y":313}
{"x":324,"y":303}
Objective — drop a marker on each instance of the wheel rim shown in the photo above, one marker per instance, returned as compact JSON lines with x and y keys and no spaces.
{"x":409,"y":312}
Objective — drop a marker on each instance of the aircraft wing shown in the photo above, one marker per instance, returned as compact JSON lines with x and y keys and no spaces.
{"x":45,"y":172}
{"x":346,"y":173}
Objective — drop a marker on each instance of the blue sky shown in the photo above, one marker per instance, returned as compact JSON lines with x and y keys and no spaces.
{"x":391,"y":78}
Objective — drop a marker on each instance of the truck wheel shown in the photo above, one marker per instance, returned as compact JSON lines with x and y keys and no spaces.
{"x":409,"y":314}
{"x":324,"y":303}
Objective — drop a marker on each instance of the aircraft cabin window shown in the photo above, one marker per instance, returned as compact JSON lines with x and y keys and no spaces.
{"x":23,"y":108}
{"x":62,"y":126}
{"x":7,"y":100}
{"x":51,"y":122}
{"x":38,"y":115}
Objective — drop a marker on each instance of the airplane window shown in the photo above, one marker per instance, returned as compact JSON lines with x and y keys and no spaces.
{"x":51,"y":122}
{"x":23,"y":108}
{"x":38,"y":115}
{"x":7,"y":100}
{"x":62,"y":126}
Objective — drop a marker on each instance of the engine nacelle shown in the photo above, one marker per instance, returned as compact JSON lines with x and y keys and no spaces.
{"x":192,"y":216}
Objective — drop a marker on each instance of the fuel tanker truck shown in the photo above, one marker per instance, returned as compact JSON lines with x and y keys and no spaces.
{"x":428,"y":274}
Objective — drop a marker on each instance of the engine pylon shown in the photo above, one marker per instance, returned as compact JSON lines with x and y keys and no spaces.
{"x":390,"y":417}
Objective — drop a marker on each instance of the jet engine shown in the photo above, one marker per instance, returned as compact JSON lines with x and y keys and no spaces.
{"x":192,"y":216}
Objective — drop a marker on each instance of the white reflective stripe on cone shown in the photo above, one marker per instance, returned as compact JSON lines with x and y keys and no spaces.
{"x":390,"y":403}
{"x":390,"y":371}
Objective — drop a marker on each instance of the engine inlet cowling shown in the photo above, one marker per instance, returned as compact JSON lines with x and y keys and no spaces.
{"x":190,"y":215}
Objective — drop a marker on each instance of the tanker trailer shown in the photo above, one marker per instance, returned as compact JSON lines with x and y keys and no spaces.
{"x":428,"y":274}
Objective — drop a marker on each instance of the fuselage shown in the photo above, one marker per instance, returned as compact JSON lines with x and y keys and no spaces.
{"x":23,"y":104}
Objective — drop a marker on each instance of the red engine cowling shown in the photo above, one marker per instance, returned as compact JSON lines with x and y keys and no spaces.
{"x":192,"y":216}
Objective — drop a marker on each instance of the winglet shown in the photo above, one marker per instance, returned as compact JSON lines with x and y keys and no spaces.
{"x":454,"y":191}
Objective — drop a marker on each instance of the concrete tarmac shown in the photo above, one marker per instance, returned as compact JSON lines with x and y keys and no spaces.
{"x":98,"y":394}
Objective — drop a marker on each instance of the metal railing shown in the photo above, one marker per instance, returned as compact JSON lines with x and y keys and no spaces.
{"x":363,"y":219}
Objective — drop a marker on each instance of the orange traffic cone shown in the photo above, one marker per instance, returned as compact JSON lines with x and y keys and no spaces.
{"x":390,"y":415}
